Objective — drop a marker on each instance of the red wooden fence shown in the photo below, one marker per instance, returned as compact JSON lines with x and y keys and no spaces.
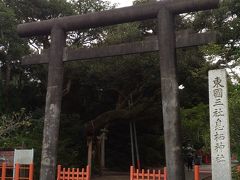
{"x":73,"y":173}
{"x":22,"y":172}
{"x":136,"y":174}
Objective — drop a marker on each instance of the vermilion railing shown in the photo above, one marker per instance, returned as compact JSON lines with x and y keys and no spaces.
{"x":136,"y":174}
{"x":73,"y":173}
{"x":21,"y":172}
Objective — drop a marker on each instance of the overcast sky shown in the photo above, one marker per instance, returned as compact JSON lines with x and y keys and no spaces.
{"x":122,"y":3}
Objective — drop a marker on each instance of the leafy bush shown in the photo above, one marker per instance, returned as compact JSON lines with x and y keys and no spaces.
{"x":11,"y":123}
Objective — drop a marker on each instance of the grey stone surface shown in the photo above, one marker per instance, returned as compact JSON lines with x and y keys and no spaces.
{"x":219,"y":125}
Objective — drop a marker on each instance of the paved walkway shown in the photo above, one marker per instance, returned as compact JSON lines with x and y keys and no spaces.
{"x":205,"y":173}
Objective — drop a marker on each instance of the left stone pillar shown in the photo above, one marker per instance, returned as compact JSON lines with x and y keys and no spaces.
{"x":169,"y":92}
{"x":53,"y":104}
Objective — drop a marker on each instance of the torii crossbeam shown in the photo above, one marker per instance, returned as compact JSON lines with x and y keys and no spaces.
{"x":165,"y":43}
{"x":183,"y":39}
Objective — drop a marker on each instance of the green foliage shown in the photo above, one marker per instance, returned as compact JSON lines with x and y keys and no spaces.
{"x":11,"y":123}
{"x":234,"y":112}
{"x":195,"y":124}
{"x":72,"y":148}
{"x":11,"y":50}
{"x":225,"y":21}
{"x":7,"y":20}
{"x":28,"y":10}
{"x":23,"y":130}
{"x":93,"y":36}
{"x":10,"y":43}
{"x":122,"y":33}
{"x":192,"y":74}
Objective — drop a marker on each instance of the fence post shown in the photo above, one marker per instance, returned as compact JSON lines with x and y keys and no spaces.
{"x":78,"y":173}
{"x":196,"y":172}
{"x":143,"y":173}
{"x":159,"y":174}
{"x":64,"y":173}
{"x":148,"y":174}
{"x":31,"y":171}
{"x":17,"y":170}
{"x":3,"y":171}
{"x":165,"y":173}
{"x":88,"y":172}
{"x":73,"y":174}
{"x":131,"y":172}
{"x":59,"y":172}
{"x":68,"y":174}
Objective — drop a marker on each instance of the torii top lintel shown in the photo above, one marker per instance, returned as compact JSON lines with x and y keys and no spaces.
{"x":115,"y":16}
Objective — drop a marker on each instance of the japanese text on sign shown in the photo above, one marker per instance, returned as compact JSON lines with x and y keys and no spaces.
{"x":219,"y":125}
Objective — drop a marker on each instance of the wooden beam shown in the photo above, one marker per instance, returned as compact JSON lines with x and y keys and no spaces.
{"x":114,"y":16}
{"x":150,"y":45}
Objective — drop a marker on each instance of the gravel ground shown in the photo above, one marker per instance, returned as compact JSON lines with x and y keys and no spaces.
{"x":189,"y":176}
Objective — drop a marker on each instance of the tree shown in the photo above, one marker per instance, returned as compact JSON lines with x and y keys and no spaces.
{"x":234,"y":96}
{"x":225,"y":21}
{"x":107,"y":86}
{"x":11,"y":50}
{"x":225,"y":54}
{"x":12,"y":123}
{"x":196,"y":130}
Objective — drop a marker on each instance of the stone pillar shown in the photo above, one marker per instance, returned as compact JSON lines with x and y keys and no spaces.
{"x":169,"y":90}
{"x":219,"y":125}
{"x":53,"y":104}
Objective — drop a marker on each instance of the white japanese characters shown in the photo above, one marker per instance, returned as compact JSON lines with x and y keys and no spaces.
{"x":219,"y":125}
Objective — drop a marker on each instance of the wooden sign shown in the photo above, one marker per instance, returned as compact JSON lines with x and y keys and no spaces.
{"x":23,"y":156}
{"x":219,"y":125}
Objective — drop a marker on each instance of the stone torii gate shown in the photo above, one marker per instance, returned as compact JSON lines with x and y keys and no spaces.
{"x":165,"y":43}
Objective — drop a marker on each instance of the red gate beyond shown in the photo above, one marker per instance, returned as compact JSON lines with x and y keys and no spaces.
{"x":22,"y":172}
{"x":73,"y":174}
{"x":136,"y":174}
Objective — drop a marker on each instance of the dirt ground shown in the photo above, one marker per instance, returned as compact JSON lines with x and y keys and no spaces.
{"x":189,"y":176}
{"x":111,"y":178}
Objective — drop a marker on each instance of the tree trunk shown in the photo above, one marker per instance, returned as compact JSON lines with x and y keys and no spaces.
{"x":7,"y":83}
